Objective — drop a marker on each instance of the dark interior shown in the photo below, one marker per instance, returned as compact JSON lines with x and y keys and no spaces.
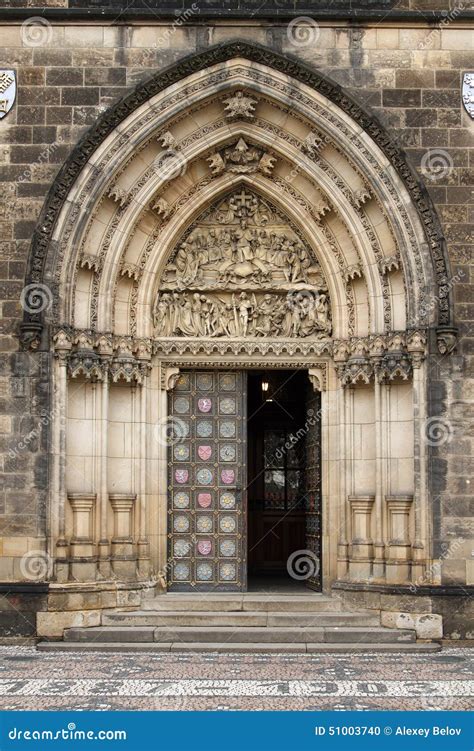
{"x":276,"y":480}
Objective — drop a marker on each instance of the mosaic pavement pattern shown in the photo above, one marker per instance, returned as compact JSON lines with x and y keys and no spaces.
{"x":134,"y":681}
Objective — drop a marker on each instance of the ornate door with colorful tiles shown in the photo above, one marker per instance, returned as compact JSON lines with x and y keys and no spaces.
{"x":206,"y":482}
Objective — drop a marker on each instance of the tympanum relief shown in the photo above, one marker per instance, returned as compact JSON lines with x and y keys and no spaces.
{"x":242,"y":271}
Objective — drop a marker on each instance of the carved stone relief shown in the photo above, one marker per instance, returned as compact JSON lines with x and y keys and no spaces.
{"x":242,"y":271}
{"x":241,"y":158}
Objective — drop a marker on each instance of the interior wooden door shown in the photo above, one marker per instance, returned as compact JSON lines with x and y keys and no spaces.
{"x":206,"y":481}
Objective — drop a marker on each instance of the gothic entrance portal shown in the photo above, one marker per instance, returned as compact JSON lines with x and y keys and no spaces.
{"x":244,"y":489}
{"x":238,"y":218}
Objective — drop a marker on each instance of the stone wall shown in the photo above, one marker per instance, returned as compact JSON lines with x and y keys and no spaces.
{"x":71,"y":72}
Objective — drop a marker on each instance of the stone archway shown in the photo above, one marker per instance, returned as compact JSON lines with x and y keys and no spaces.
{"x":364,"y":244}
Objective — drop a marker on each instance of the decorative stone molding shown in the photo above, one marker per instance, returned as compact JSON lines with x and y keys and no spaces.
{"x":241,"y":349}
{"x":87,"y":364}
{"x":98,"y":356}
{"x":240,"y":106}
{"x":353,"y":272}
{"x":131,"y":270}
{"x":62,"y":340}
{"x":318,"y":378}
{"x":389,"y":264}
{"x":169,"y":377}
{"x":119,"y":195}
{"x":356,"y":371}
{"x":91,"y":262}
{"x":167,"y":140}
{"x":241,"y":159}
{"x":161,"y":208}
{"x":360,"y":197}
{"x":393,"y":366}
{"x":312,"y":144}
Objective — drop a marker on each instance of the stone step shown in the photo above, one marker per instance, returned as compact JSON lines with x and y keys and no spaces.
{"x":238,"y":618}
{"x":243,"y":634}
{"x":257,"y":648}
{"x":311,"y":602}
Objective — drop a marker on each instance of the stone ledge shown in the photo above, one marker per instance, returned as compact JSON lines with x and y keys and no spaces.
{"x":425,"y":590}
{"x":107,"y":10}
{"x":34,"y":588}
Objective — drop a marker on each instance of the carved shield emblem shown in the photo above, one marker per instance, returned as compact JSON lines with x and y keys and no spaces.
{"x":228,"y":476}
{"x":468,"y":93}
{"x":204,"y":500}
{"x":7,"y":91}
{"x":204,"y":452}
{"x":204,"y":547}
{"x":181,"y":476}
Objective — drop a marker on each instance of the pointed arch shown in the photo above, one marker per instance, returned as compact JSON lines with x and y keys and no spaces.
{"x":360,"y":158}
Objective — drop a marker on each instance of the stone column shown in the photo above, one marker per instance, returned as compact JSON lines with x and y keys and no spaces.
{"x":380,"y":422}
{"x":143,"y":542}
{"x":103,"y":498}
{"x":342,"y":548}
{"x":58,"y":516}
{"x":419,"y":548}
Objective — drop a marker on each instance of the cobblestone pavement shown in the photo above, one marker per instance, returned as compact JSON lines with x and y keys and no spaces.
{"x":134,"y":681}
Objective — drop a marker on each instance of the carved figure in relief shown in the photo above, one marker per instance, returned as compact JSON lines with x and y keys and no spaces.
{"x":241,"y":314}
{"x":242,"y":272}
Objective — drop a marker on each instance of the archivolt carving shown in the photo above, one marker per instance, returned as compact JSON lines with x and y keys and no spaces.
{"x":153,"y":119}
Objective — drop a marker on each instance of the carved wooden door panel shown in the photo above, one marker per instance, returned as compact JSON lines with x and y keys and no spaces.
{"x":313,"y":488}
{"x":206,"y":481}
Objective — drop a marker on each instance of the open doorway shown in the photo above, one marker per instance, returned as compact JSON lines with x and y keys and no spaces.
{"x":279,"y":438}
